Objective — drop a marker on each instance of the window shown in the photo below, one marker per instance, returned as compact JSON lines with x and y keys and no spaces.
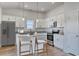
{"x":29,"y":24}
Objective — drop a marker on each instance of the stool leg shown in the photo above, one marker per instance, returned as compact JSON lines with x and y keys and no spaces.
{"x":32,"y":49}
{"x":46,"y":49}
{"x":37,"y":49}
{"x":20,"y":49}
{"x":29,"y":49}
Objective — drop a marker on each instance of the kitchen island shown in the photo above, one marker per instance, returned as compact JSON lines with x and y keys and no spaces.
{"x":25,"y":48}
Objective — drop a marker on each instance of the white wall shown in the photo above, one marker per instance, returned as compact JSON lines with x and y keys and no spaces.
{"x":56,"y":14}
{"x":71,"y":17}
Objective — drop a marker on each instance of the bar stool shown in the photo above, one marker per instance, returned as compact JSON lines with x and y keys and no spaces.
{"x":25,"y":40}
{"x":41,"y":38}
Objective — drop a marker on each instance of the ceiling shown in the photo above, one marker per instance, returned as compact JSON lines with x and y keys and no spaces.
{"x":33,"y":6}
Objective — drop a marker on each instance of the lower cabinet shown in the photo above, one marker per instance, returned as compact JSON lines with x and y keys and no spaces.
{"x":58,"y":40}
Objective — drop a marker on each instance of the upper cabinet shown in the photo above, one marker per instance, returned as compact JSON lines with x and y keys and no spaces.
{"x":41,"y":23}
{"x":19,"y":22}
{"x":57,"y":18}
{"x":8,"y":18}
{"x":60,"y":20}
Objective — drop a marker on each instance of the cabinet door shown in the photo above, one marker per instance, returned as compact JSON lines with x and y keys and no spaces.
{"x":19,"y":22}
{"x":58,"y":41}
{"x":5,"y":18}
{"x":11,"y":18}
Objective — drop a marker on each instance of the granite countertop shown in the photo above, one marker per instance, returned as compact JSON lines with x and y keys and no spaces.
{"x":31,"y":32}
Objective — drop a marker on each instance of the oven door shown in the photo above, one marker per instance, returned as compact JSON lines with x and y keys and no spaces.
{"x":50,"y":39}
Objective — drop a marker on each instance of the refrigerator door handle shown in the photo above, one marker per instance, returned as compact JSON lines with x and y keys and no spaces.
{"x":7,"y":31}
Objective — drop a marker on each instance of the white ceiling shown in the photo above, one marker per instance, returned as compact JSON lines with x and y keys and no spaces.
{"x":33,"y":6}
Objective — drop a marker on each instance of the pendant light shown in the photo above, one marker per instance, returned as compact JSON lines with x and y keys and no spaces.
{"x":23,"y":11}
{"x":37,"y":13}
{"x":37,"y":20}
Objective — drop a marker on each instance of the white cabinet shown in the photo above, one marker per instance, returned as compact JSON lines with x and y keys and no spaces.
{"x":41,"y":23}
{"x":8,"y":18}
{"x":5,"y":18}
{"x":58,"y":40}
{"x":19,"y":22}
{"x":12,"y":18}
{"x":60,"y":20}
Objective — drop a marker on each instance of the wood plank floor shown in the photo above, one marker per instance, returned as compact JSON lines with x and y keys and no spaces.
{"x":52,"y":51}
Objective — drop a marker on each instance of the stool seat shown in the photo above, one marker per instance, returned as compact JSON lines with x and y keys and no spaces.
{"x":41,"y":41}
{"x":25,"y":42}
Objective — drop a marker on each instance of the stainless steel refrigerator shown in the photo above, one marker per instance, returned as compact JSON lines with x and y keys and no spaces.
{"x":7,"y":33}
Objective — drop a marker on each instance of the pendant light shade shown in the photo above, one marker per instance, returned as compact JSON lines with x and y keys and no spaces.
{"x":23,"y":19}
{"x":37,"y":18}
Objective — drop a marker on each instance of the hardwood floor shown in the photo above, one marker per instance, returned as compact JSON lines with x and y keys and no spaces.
{"x":52,"y":51}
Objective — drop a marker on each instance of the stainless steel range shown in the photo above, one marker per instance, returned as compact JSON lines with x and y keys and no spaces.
{"x":50,"y":37}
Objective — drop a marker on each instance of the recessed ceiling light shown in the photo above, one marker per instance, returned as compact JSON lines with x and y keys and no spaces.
{"x":42,"y":9}
{"x":26,"y":6}
{"x":52,"y":2}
